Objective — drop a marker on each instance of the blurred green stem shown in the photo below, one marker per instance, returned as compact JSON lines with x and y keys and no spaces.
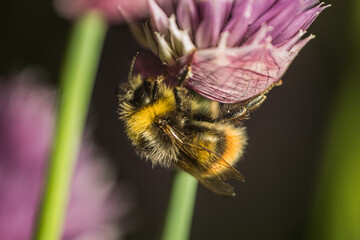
{"x":181,"y":206}
{"x":76,"y":84}
{"x":337,"y":206}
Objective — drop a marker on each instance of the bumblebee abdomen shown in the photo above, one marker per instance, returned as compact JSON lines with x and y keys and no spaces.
{"x":223,"y":142}
{"x":235,"y":142}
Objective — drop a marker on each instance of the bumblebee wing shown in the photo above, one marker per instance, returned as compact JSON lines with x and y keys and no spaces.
{"x":240,"y":75}
{"x":213,"y":173}
{"x":214,"y":183}
{"x":216,"y":163}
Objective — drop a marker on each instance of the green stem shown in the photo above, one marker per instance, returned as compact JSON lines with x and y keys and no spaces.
{"x":337,"y":206}
{"x":76,"y":84}
{"x":181,"y":207}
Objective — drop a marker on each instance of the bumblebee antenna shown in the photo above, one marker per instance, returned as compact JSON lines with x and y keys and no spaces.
{"x":132,"y":67}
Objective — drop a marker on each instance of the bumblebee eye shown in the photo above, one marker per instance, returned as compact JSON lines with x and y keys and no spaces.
{"x":184,"y":121}
{"x":129,"y":92}
{"x":140,"y":96}
{"x":159,"y":122}
{"x":146,"y":100}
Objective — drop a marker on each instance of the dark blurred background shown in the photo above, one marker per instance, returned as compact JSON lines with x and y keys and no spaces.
{"x":281,"y":163}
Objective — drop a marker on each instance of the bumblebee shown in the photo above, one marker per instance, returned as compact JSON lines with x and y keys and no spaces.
{"x":174,"y":126}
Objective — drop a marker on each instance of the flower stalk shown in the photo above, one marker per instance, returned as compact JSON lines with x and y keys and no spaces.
{"x":181,"y":206}
{"x":76,"y":84}
{"x":336,"y":213}
{"x":337,"y":205}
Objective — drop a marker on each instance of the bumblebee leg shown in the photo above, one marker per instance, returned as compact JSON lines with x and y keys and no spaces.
{"x":255,"y":102}
{"x":180,"y":92}
{"x":154,"y":91}
{"x":239,"y":112}
{"x":155,"y":87}
{"x":276,"y":84}
{"x":233,"y":114}
{"x":184,"y":75}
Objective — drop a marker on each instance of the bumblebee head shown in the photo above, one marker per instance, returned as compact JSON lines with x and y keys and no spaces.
{"x":146,"y":93}
{"x":137,"y":92}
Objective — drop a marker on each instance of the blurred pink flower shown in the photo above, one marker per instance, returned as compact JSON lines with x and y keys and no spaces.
{"x":26,"y":125}
{"x":237,"y":48}
{"x":114,"y":11}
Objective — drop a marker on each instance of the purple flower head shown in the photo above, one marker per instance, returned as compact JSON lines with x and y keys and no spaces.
{"x":26,"y":126}
{"x":237,"y":48}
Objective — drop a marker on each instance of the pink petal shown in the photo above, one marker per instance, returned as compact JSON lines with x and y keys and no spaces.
{"x":295,"y":49}
{"x":259,"y":8}
{"x":309,"y":3}
{"x":159,"y":19}
{"x":238,"y":23}
{"x":301,"y":21}
{"x":235,"y":74}
{"x":279,"y":16}
{"x":214,"y":16}
{"x":187,"y":16}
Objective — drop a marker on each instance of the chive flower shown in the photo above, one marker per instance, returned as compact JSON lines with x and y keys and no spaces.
{"x":237,"y":49}
{"x":95,"y":208}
